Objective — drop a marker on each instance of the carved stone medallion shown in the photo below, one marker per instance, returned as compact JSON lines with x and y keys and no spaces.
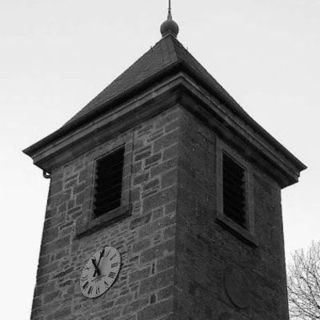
{"x":226,"y":316}
{"x":237,"y":287}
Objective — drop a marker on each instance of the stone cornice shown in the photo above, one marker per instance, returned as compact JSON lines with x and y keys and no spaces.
{"x":224,"y":115}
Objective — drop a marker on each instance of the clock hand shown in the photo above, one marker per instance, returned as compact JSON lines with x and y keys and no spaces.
{"x":97,"y":265}
{"x":101,"y":255}
{"x":96,"y":269}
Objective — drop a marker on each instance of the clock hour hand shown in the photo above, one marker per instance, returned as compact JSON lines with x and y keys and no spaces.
{"x":101,"y":255}
{"x":96,"y":269}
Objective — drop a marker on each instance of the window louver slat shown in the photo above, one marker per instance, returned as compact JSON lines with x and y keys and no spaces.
{"x":108,"y":182}
{"x":107,"y":170}
{"x":102,"y":209}
{"x":107,"y":198}
{"x":113,"y":181}
{"x":234,"y":198}
{"x":231,"y":191}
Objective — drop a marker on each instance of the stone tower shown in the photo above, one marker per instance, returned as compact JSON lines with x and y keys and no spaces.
{"x":166,"y":169}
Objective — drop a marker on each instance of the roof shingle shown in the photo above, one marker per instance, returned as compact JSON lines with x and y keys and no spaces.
{"x":167,"y":53}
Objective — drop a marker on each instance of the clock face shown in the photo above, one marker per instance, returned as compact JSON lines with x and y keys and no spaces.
{"x":100,"y":272}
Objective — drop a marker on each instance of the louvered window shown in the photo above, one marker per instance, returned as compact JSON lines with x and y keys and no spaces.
{"x":234,"y":191}
{"x":108,"y":184}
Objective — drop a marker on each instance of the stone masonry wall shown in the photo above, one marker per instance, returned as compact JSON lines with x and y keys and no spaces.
{"x":174,"y":254}
{"x":205,"y":250}
{"x":144,"y":287}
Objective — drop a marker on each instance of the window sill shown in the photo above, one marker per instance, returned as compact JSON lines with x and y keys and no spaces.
{"x":237,"y":230}
{"x":105,"y":220}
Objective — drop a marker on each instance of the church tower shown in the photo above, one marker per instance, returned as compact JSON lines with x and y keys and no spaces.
{"x":164,"y":202}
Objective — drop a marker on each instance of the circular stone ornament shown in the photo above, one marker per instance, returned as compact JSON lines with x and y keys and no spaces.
{"x":237,"y":287}
{"x":226,"y":316}
{"x":100,"y":272}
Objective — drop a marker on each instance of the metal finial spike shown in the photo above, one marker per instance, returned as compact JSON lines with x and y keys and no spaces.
{"x":169,"y":11}
{"x":169,"y":26}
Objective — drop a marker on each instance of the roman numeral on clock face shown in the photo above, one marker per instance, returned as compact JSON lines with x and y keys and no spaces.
{"x":85,"y":285}
{"x":113,"y":265}
{"x":90,"y":290}
{"x":112,"y":275}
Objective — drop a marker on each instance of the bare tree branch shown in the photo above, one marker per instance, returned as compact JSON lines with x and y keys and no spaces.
{"x":304,"y":284}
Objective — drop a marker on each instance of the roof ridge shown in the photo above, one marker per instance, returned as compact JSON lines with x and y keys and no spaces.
{"x":171,"y":45}
{"x":151,"y":62}
{"x":167,"y":53}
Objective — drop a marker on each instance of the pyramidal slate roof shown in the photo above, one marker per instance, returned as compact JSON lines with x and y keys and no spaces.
{"x":167,"y":55}
{"x":167,"y":58}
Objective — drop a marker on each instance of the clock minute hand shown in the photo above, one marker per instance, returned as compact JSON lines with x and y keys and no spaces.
{"x":96,"y":269}
{"x":101,"y":255}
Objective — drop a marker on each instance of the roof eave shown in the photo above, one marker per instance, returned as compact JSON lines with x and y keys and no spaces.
{"x":180,"y":66}
{"x":221,"y":94}
{"x":126,"y":95}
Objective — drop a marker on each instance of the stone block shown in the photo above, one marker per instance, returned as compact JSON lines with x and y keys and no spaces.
{"x":159,"y":199}
{"x":135,"y":305}
{"x":166,"y":141}
{"x":163,"y":167}
{"x":169,"y":178}
{"x":155,"y":311}
{"x":151,"y":228}
{"x":141,"y":245}
{"x":158,"y":281}
{"x":139,"y":275}
{"x":141,"y":178}
{"x":161,"y":250}
{"x":165,"y":263}
{"x":170,"y":153}
{"x":142,"y":153}
{"x":140,"y":221}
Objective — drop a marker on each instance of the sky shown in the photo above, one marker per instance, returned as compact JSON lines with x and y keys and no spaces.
{"x":56,"y":55}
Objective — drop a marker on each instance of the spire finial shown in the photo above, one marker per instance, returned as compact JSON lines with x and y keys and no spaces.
{"x":169,"y":26}
{"x":169,"y":11}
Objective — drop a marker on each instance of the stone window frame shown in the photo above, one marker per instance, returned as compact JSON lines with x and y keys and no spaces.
{"x":245,"y":234}
{"x":93,"y":223}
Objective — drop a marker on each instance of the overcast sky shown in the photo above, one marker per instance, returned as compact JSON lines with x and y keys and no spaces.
{"x":56,"y":55}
